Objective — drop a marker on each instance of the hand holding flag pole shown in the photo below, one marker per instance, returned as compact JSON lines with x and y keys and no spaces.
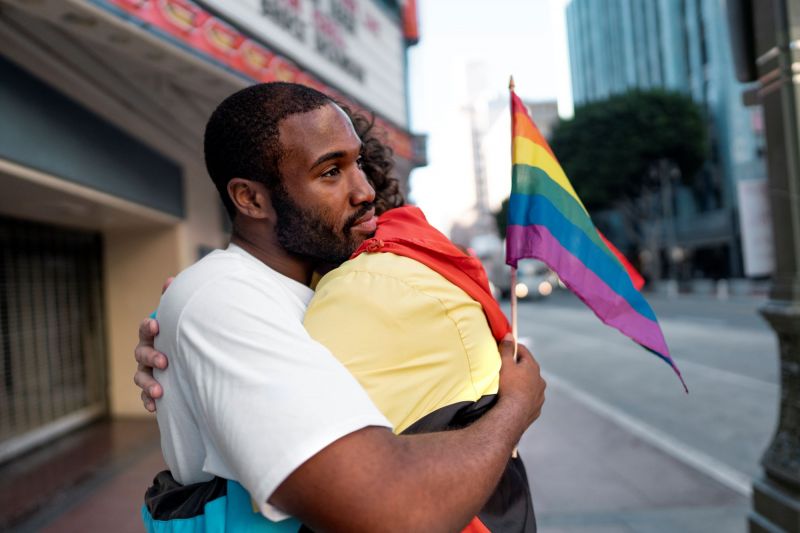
{"x":547,"y":221}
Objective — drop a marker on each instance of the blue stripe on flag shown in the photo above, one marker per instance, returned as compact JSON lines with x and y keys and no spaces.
{"x":529,"y":210}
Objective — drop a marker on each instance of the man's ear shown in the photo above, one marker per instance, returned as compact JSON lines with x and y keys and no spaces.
{"x":251,"y":198}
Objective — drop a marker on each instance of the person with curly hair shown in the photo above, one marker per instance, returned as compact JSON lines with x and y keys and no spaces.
{"x":255,"y":410}
{"x":377,"y":162}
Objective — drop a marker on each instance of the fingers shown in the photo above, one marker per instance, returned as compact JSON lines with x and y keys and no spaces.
{"x":145,"y":353}
{"x":147,"y":356}
{"x":522,"y":351}
{"x":148,"y":402}
{"x":167,"y":284}
{"x":151,"y":390}
{"x":507,"y":347}
{"x":143,"y":378}
{"x":148,"y":329}
{"x":507,"y":350}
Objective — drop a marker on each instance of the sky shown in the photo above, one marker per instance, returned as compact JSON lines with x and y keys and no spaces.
{"x":523,"y":38}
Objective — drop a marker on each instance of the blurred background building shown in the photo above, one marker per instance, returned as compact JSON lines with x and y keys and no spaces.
{"x":721,"y":228}
{"x":103,"y":190}
{"x":490,"y":122}
{"x":495,"y":142}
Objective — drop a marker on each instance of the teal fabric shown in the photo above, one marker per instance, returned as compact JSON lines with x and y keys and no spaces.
{"x":233,"y":512}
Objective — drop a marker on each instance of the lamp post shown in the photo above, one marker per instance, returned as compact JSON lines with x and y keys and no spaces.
{"x":668,"y":175}
{"x":765,"y":36}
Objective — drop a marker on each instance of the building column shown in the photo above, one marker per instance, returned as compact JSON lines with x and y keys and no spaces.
{"x":136,"y":263}
{"x":776,"y":42}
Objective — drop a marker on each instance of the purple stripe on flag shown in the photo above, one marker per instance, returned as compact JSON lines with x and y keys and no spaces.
{"x":609,"y":306}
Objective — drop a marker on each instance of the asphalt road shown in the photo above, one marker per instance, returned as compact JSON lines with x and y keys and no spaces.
{"x":726,"y":352}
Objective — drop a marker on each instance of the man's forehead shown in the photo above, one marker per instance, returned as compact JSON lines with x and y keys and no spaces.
{"x":329,"y":118}
{"x":319,"y":129}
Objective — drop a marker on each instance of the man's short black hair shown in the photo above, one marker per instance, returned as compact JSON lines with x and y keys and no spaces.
{"x":242,"y":137}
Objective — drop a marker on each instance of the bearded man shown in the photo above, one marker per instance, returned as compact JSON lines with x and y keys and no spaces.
{"x":265,"y":412}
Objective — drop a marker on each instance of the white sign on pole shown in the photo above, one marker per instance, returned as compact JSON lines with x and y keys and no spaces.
{"x":756,"y":227}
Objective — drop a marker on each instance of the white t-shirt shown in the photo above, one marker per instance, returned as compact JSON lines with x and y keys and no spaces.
{"x":249,"y":395}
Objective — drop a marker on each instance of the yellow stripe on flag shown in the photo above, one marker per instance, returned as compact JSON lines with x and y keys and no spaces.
{"x":527,"y":152}
{"x":524,"y":127}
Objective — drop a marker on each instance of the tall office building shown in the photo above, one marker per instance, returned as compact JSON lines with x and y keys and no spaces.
{"x":683,"y":45}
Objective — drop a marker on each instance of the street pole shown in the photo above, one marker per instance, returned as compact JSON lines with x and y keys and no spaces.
{"x":666,"y":171}
{"x":766,"y":43}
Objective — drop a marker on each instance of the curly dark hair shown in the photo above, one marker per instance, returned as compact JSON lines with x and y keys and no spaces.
{"x":377,"y":160}
{"x":242,"y":139}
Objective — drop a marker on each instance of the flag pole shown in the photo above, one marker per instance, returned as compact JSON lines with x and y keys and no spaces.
{"x":513,"y":268}
{"x":515,"y":451}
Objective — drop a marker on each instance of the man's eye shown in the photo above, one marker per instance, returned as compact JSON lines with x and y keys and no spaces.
{"x":360,"y":162}
{"x":331,"y":172}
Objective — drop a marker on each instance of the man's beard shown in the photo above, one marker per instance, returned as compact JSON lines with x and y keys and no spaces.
{"x":305,"y":232}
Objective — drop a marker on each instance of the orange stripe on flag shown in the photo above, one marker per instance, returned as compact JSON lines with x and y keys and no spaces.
{"x":524,"y":127}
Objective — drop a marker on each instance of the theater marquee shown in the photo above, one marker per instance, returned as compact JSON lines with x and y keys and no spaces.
{"x":352,"y":44}
{"x":348,"y":49}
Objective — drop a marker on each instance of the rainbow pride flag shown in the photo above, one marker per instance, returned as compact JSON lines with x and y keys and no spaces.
{"x":547,"y":221}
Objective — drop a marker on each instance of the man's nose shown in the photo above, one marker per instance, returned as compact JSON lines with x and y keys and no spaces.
{"x":362,"y":191}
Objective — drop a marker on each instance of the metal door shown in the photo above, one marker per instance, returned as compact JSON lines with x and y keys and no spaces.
{"x":52,"y":346}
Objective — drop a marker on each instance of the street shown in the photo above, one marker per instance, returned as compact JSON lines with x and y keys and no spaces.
{"x":715,"y":435}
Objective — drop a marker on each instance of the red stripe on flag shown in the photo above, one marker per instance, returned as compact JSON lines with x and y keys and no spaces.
{"x":636,"y":278}
{"x":476,"y":526}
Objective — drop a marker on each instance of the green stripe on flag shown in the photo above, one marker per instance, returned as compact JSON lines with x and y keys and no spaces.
{"x":530,"y":180}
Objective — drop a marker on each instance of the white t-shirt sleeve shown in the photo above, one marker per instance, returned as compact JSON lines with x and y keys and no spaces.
{"x":268,"y":396}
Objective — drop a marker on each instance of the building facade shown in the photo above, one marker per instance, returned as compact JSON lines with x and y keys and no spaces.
{"x":103,"y":191}
{"x":617,"y":45}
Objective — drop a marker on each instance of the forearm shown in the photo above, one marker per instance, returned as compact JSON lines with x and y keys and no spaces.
{"x":372,"y":480}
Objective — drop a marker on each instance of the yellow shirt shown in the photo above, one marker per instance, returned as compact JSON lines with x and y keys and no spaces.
{"x":416,"y":342}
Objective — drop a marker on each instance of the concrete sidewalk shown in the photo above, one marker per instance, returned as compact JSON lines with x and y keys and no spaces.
{"x":92,"y":479}
{"x":588,"y":476}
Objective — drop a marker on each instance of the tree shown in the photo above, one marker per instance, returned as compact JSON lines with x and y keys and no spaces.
{"x":501,"y":217}
{"x":626,"y":153}
{"x":610,"y":148}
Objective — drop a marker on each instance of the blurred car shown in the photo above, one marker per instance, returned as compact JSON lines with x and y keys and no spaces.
{"x":535,"y":280}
